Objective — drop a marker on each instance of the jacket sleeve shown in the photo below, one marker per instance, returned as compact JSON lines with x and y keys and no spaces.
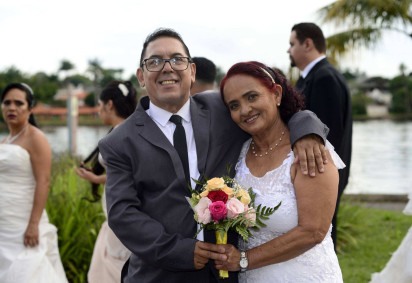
{"x":304,"y":123}
{"x":141,"y":233}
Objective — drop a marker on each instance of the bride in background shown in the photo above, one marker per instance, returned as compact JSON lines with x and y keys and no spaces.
{"x":28,"y":242}
{"x":399,"y":267}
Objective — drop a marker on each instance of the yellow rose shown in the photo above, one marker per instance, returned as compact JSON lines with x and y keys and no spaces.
{"x":215,"y":184}
{"x":244,"y":196}
{"x":204,"y":193}
{"x":228,"y":191}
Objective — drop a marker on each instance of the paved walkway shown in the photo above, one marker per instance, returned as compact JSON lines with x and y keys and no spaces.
{"x":386,"y":202}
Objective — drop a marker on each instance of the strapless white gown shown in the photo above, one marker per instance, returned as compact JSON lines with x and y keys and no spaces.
{"x":20,"y":264}
{"x":399,"y":267}
{"x":319,"y":264}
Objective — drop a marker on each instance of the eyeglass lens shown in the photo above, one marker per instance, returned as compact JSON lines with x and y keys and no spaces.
{"x":157,"y":64}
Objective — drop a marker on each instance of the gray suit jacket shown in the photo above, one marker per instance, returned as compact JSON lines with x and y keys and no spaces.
{"x":146,"y":188}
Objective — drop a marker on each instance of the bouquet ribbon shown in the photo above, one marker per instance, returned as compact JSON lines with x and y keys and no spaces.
{"x":221,"y":238}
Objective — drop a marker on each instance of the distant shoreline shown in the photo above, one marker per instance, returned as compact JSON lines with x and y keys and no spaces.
{"x":378,"y":201}
{"x":95,"y":121}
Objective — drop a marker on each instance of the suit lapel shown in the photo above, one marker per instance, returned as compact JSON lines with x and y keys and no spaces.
{"x":308,"y":80}
{"x":318,"y":65}
{"x":149,"y":131}
{"x":201,"y":130}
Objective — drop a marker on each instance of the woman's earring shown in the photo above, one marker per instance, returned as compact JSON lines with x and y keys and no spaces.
{"x":278,"y":104}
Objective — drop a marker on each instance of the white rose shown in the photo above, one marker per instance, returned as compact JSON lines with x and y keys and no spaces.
{"x":234,"y":207}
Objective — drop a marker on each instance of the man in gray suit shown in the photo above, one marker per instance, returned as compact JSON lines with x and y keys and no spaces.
{"x":146,"y":181}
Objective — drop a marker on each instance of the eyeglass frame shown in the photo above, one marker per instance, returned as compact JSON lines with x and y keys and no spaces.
{"x":189,"y":60}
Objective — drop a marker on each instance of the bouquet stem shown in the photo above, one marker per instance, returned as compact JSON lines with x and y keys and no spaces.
{"x":221,"y":238}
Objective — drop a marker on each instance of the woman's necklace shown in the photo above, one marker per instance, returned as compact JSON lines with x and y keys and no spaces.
{"x":268,"y":150}
{"x":10,"y":139}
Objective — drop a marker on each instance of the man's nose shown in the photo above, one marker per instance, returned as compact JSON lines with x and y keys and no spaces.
{"x":167,"y":65}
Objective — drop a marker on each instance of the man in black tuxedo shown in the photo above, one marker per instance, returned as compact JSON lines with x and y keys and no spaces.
{"x":148,"y":176}
{"x":326,"y":94}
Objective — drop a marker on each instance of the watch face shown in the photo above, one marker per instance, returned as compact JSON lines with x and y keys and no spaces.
{"x":243,"y":263}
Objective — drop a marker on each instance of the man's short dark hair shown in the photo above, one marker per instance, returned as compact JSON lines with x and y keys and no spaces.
{"x":312,"y":31}
{"x":162,"y":32}
{"x":205,"y":69}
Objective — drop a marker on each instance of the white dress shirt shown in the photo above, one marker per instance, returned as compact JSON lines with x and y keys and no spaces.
{"x":309,"y":67}
{"x":161,"y":118}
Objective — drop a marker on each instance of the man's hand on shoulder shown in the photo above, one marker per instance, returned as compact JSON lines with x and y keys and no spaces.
{"x":310,"y":153}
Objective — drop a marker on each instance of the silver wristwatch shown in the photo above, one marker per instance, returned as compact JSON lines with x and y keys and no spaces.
{"x":243,"y":261}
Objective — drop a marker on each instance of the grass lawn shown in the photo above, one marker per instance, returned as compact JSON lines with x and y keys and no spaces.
{"x":367,"y":239}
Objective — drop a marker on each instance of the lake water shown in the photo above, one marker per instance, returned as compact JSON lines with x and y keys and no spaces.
{"x":381,"y":157}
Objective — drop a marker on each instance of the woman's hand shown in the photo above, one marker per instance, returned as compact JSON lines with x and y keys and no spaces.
{"x":86,"y":174}
{"x":233,"y":259}
{"x":31,"y":236}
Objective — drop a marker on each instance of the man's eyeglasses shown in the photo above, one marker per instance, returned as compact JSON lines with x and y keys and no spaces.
{"x":157,"y":64}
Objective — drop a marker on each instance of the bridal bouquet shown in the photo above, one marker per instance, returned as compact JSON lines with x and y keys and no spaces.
{"x":222,"y":205}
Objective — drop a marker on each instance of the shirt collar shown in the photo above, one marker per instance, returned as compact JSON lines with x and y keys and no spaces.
{"x":162,"y":116}
{"x":309,"y":67}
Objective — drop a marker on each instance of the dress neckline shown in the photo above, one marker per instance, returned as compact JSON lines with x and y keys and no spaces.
{"x":16,"y":146}
{"x":243,"y":160}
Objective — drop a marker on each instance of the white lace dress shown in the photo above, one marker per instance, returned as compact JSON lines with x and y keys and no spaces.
{"x":319,"y":264}
{"x":20,"y":264}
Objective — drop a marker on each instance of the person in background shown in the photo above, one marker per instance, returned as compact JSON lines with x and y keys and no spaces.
{"x":296,"y":244}
{"x":117,"y":101}
{"x":28,"y":242}
{"x":149,"y":170}
{"x":326,"y":94}
{"x":205,"y":75}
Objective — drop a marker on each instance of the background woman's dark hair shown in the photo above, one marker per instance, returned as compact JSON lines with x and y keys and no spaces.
{"x":291,"y":102}
{"x":124,"y":98}
{"x":29,"y":97}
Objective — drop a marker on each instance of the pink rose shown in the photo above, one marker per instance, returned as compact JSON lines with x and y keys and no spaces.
{"x":202,"y":212}
{"x":234,"y":207}
{"x":251,"y":216}
{"x":218,"y":210}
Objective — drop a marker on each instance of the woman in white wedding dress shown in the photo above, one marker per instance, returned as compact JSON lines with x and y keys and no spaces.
{"x":399,"y":267}
{"x":296,"y":245}
{"x":28,"y":242}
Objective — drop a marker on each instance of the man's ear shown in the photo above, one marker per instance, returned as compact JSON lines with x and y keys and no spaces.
{"x":140,"y":77}
{"x":193,"y":68}
{"x":308,"y":44}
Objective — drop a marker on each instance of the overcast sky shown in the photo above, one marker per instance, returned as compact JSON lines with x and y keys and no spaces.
{"x":37,"y":34}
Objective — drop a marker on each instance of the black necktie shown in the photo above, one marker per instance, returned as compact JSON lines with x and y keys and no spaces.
{"x":300,"y":84}
{"x":179,"y":142}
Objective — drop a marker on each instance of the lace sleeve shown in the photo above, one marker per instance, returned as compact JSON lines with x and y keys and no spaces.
{"x":335,"y":157}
